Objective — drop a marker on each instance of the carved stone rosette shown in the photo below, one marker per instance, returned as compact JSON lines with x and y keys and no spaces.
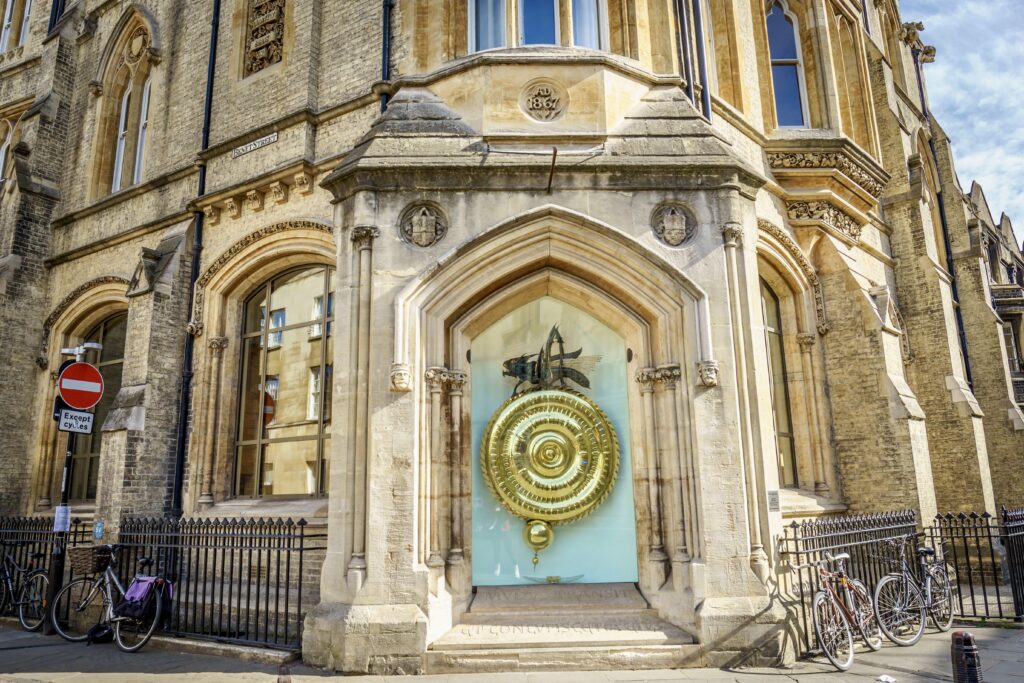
{"x":827,"y":214}
{"x":673,"y":223}
{"x":423,"y":224}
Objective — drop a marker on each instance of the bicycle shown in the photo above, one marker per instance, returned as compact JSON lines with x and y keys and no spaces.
{"x":841,"y":605}
{"x":89,"y":601}
{"x":30,"y":601}
{"x":902,"y":600}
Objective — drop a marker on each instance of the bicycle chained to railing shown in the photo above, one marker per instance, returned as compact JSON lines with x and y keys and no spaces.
{"x":29,"y":601}
{"x":92,"y":605}
{"x":841,"y":605}
{"x":904,"y":597}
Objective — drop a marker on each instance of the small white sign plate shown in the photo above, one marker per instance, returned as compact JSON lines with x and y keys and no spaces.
{"x":254,"y":145}
{"x":75,"y":421}
{"x":62,"y":518}
{"x":773,"y":501}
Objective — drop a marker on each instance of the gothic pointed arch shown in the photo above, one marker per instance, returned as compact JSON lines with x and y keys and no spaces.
{"x":124,"y":85}
{"x":95,"y":294}
{"x":788,"y":258}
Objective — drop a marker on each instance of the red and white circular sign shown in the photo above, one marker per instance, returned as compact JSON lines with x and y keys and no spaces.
{"x":80,"y":386}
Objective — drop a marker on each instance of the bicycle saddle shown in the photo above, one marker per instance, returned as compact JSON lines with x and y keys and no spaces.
{"x":37,"y":556}
{"x":840,"y":556}
{"x":145,"y":562}
{"x":925,"y":551}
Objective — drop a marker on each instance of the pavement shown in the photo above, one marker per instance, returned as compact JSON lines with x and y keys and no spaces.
{"x":34,"y":658}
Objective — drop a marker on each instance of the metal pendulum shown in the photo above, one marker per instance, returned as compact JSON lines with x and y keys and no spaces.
{"x":538,"y":535}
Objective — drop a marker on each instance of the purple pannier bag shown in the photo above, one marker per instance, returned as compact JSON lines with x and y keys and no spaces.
{"x":138,"y":599}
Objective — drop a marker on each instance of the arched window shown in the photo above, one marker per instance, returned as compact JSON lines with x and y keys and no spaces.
{"x":781,"y":406}
{"x":126,"y":92}
{"x":787,"y":67}
{"x":85,"y":461}
{"x":7,"y":131}
{"x":538,"y":22}
{"x":15,"y":26}
{"x":285,"y":402}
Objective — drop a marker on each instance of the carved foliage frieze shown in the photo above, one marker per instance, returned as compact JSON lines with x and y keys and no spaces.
{"x":837,"y":160}
{"x":794,"y":250}
{"x":826,"y":213}
{"x":264,"y":34}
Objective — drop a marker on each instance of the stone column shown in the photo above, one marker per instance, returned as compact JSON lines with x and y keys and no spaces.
{"x":671,"y":469}
{"x":806,"y":341}
{"x":646,"y":378}
{"x":732,"y":233}
{"x":457,"y":380}
{"x":362,"y":240}
{"x":49,"y":455}
{"x":429,"y":524}
{"x":216,"y":345}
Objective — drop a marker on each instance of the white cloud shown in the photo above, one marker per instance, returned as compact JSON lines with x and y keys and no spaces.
{"x":975,"y":91}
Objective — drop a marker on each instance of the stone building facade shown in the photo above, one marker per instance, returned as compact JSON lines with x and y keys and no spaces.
{"x":741,"y":214}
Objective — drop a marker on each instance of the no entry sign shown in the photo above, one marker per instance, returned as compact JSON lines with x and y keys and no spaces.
{"x":80,"y":385}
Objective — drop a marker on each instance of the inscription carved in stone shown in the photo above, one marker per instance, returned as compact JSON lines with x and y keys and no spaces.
{"x":544,"y":100}
{"x":264,"y":35}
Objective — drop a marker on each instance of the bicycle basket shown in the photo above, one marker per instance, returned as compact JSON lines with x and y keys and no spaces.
{"x":89,"y":559}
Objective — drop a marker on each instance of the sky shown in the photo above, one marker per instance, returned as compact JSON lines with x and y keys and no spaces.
{"x":976,"y":91}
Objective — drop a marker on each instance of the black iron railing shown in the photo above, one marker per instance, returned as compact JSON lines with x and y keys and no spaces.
{"x":863,"y":537}
{"x":23,"y":537}
{"x":238,"y":580}
{"x":986,"y":557}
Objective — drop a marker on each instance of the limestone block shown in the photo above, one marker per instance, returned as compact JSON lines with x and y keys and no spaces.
{"x":378,"y":639}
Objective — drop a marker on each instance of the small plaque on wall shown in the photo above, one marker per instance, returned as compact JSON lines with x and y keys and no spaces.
{"x":773,"y":501}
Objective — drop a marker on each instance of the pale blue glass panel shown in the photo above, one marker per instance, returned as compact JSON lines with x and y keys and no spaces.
{"x":788,"y":106}
{"x":490,"y":24}
{"x":586,"y":28}
{"x":600,"y":548}
{"x":538,"y":18}
{"x":781,"y":38}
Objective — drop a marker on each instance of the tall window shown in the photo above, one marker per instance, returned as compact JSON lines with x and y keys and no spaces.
{"x":284,"y":412}
{"x":123,"y":127}
{"x":15,"y":24}
{"x":781,"y":407}
{"x":538,"y":22}
{"x":85,"y":461}
{"x":787,"y":67}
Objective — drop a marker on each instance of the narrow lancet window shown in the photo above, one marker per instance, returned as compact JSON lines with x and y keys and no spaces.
{"x":122,"y":136}
{"x":787,"y":76}
{"x":140,"y":143}
{"x":538,"y":22}
{"x":489,"y":24}
{"x":586,"y":24}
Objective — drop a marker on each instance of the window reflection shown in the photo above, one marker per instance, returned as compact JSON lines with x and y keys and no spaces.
{"x":85,"y":462}
{"x":786,"y":66}
{"x":284,"y":411}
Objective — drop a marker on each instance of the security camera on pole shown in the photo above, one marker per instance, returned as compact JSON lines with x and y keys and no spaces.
{"x":79,"y":388}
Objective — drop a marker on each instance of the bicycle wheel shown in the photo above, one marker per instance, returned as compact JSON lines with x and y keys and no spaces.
{"x":77,"y":608}
{"x":941,"y":607}
{"x":132,"y":634}
{"x":864,"y":611}
{"x":833,"y":631}
{"x":32,"y":600}
{"x":900,"y":609}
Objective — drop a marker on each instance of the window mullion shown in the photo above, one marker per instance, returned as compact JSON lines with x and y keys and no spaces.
{"x":261,"y":434}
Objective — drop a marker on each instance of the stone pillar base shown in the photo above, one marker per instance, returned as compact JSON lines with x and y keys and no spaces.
{"x":745,"y":631}
{"x":373,"y":639}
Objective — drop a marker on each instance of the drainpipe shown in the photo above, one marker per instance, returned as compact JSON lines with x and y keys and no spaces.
{"x":961,"y":331}
{"x":683,"y":41}
{"x":197,"y":247}
{"x":702,"y":60}
{"x":385,"y":52}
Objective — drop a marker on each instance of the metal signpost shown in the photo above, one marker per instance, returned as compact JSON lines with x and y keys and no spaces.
{"x":79,"y":388}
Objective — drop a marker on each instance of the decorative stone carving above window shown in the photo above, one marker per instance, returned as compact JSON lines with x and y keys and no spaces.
{"x":826,"y":214}
{"x":544,"y":100}
{"x":826,"y":160}
{"x":264,"y":35}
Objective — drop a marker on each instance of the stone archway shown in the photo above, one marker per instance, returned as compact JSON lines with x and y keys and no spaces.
{"x":660,"y":314}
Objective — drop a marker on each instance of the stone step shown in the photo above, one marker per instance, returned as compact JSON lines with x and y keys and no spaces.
{"x":564,"y":597}
{"x":559,"y":630}
{"x":588,"y":658}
